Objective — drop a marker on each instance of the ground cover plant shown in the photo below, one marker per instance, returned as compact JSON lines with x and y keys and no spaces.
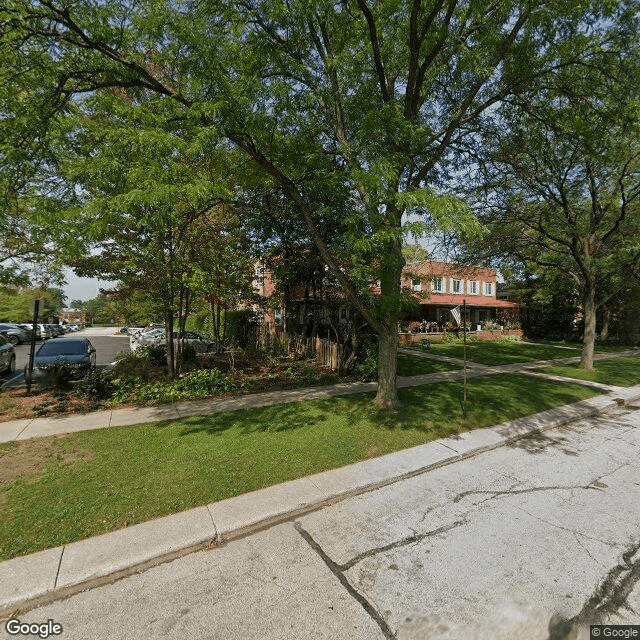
{"x":59,"y":489}
{"x":623,"y":371}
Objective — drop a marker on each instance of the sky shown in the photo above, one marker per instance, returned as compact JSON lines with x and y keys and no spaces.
{"x":83,"y":288}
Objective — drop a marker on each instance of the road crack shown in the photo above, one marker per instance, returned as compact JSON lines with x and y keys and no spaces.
{"x":596,"y":483}
{"x":418,"y":537}
{"x":373,"y":613}
{"x":608,"y":598}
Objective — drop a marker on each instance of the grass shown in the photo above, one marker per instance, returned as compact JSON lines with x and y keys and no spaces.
{"x":415,"y":365}
{"x":495,"y":353}
{"x":622,"y":372}
{"x":59,"y":489}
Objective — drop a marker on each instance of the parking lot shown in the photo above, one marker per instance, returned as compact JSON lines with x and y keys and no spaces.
{"x":106,"y":340}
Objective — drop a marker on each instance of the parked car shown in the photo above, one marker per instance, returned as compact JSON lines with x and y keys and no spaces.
{"x":45,"y":331}
{"x":15,"y":334}
{"x":200,"y":344}
{"x":27,"y":327}
{"x":155,"y":336}
{"x":78,"y":352}
{"x":56,"y":329}
{"x":7,"y":355}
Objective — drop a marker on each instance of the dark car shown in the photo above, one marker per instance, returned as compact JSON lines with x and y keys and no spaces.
{"x":56,"y":329}
{"x":77,"y":352}
{"x":7,"y":356}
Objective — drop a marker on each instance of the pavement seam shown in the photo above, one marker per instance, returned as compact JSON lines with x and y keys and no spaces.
{"x":216,"y":536}
{"x":371,"y":610}
{"x":23,"y":429}
{"x":55,"y":582}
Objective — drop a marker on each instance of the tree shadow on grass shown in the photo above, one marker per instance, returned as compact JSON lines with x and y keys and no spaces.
{"x":276,"y":418}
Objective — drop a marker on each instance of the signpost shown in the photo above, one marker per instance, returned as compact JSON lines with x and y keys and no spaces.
{"x":34,"y":308}
{"x":464,"y":352}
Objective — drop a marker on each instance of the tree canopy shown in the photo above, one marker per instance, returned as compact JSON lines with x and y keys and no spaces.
{"x":376,"y":105}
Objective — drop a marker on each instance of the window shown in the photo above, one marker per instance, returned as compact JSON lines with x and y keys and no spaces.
{"x":416,"y":284}
{"x":259,"y":277}
{"x":456,"y":286}
{"x":473,"y":287}
{"x":488,"y":288}
{"x":437,"y":285}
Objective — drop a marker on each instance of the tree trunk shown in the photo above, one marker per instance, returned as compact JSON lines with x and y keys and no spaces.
{"x":390,"y":286}
{"x":589,"y":336}
{"x":606,"y":320}
{"x":168,"y":328}
{"x":387,"y":396}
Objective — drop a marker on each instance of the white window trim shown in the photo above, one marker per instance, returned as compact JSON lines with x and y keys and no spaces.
{"x":491,"y":291}
{"x":470,"y":284}
{"x":441,"y":288}
{"x":416,"y":284}
{"x":461,"y":290}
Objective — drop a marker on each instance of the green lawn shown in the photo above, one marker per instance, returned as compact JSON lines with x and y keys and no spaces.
{"x":622,"y":372}
{"x":415,"y":365}
{"x":495,"y":353}
{"x":59,"y":489}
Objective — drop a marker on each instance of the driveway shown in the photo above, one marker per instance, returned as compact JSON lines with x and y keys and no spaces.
{"x":519,"y":543}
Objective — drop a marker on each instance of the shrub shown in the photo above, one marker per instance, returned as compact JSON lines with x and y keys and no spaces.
{"x":137,"y":362}
{"x":59,"y":373}
{"x":302,"y":373}
{"x":367,"y":367}
{"x":194,"y":384}
{"x":188,"y":353}
{"x":509,"y":339}
{"x":96,"y":385}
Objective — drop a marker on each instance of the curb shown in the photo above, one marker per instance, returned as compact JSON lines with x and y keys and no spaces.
{"x":27,"y":582}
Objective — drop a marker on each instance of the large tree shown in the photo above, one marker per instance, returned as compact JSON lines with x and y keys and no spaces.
{"x":372,"y":99}
{"x":565,"y":182}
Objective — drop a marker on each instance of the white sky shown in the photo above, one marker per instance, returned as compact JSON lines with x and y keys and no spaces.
{"x":83,"y":288}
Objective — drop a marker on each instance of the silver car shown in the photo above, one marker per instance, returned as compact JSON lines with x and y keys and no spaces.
{"x":7,"y":356}
{"x":14,"y":333}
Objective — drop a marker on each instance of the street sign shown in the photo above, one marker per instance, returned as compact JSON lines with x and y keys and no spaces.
{"x":32,"y":306}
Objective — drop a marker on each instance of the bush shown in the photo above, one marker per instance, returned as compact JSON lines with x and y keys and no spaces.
{"x":136,"y":363}
{"x":188,"y":353}
{"x":301,"y":373}
{"x":367,"y":367}
{"x":96,"y":385}
{"x":59,"y":374}
{"x":190,"y":386}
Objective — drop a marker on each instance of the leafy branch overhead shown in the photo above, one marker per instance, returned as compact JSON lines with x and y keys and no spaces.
{"x":371,"y":108}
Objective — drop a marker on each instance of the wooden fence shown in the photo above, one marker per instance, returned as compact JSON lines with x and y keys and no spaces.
{"x":326,"y":352}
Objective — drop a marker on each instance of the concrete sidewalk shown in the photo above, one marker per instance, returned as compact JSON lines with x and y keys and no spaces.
{"x":30,"y":581}
{"x":69,"y":423}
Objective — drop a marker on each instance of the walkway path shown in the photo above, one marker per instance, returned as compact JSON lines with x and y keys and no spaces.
{"x":69,"y":423}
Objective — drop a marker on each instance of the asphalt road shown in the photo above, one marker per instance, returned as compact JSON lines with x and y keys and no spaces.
{"x":518,"y":543}
{"x":107,"y":341}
